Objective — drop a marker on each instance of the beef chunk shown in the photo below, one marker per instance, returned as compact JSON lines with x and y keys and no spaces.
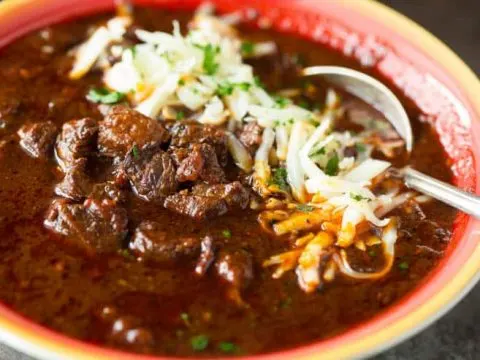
{"x":234,"y":194}
{"x":109,"y":190}
{"x":37,"y":139}
{"x":151,"y":173}
{"x":124,"y":127}
{"x":98,"y":225}
{"x":151,"y":241}
{"x":206,"y":201}
{"x":76,"y":140}
{"x":185,"y":133}
{"x":201,"y":163}
{"x":196,"y":207}
{"x":251,"y":136}
{"x":235,"y":268}
{"x":75,"y":184}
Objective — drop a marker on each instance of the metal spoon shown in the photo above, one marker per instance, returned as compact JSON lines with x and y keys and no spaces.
{"x":381,"y":98}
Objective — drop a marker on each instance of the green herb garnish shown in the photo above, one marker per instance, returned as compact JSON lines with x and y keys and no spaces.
{"x":199,"y":342}
{"x":372,"y":253}
{"x":244,"y":86}
{"x":305,"y":207}
{"x":135,"y":151}
{"x":209,"y":53}
{"x":225,"y":89}
{"x":180,"y":115}
{"x":358,"y":197}
{"x":281,"y":101}
{"x":227,"y":347}
{"x":279,"y":178}
{"x":105,"y":96}
{"x":227,"y":233}
{"x":331,"y":168}
{"x":403,"y":265}
{"x":181,"y":82}
{"x":258,"y":82}
{"x":304,"y":104}
{"x":247,"y":48}
{"x":133,"y":49}
{"x":317,"y":152}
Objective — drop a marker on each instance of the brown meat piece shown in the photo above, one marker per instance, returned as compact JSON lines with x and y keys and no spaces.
{"x":76,"y":183}
{"x":234,"y":194}
{"x":152,"y":241}
{"x":207,"y":201}
{"x":77,"y":140}
{"x":251,"y":136}
{"x":186,"y":133}
{"x":37,"y":139}
{"x":124,"y":127}
{"x":109,"y":190}
{"x":196,"y":207}
{"x":98,"y":225}
{"x":151,"y":173}
{"x":201,"y":163}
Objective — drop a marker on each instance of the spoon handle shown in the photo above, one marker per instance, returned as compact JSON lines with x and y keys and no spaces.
{"x":462,"y":200}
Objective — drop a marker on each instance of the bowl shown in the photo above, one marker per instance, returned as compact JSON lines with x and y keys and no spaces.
{"x":417,"y":65}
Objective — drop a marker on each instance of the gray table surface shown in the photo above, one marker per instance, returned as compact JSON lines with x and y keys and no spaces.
{"x":457,"y":334}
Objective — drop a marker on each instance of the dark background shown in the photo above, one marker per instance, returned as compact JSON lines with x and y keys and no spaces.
{"x":456,"y":335}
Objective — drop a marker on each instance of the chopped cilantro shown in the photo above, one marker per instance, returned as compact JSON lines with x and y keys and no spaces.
{"x":105,"y":96}
{"x":358,"y":197}
{"x":244,"y":86}
{"x":279,"y":178}
{"x":317,"y":152}
{"x":258,"y":82}
{"x":360,"y":147}
{"x":209,"y":53}
{"x":135,"y":151}
{"x":247,"y":48}
{"x":133,"y":49}
{"x":372,"y":253}
{"x":305,"y":207}
{"x":199,"y":342}
{"x":181,"y":82}
{"x":227,"y":233}
{"x":403,"y":265}
{"x":180,"y":115}
{"x":227,"y":347}
{"x":331,"y":168}
{"x":281,"y":101}
{"x":304,"y":104}
{"x":225,"y":89}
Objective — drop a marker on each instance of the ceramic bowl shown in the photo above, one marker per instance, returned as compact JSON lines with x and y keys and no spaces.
{"x":416,"y":63}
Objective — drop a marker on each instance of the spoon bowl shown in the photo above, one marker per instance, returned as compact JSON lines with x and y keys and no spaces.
{"x":376,"y":94}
